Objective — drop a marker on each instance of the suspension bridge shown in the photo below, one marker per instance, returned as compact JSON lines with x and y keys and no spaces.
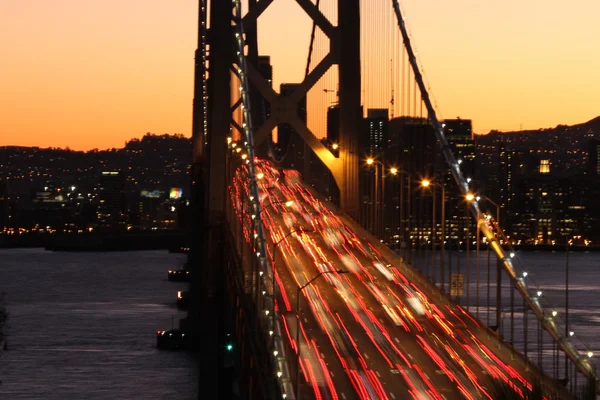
{"x":294,"y":256}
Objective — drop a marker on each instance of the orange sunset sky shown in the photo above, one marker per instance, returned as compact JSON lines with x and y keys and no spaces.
{"x":93,"y":74}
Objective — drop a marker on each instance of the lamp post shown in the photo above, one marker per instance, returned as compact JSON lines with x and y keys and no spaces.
{"x":567,"y":244}
{"x":471,"y":197}
{"x":296,"y":230}
{"x":405,"y":219}
{"x":378,"y":211}
{"x":298,"y":293}
{"x":394,"y":171}
{"x":287,"y":203}
{"x":425,"y":184}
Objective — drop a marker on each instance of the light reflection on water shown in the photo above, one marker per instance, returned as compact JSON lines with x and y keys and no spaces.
{"x":82,"y":325}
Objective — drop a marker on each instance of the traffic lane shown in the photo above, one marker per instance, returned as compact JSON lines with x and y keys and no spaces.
{"x":428,"y":368}
{"x":374,"y":360}
{"x":471,"y":366}
{"x":455,"y":315}
{"x":384,"y":330}
{"x":406,"y":342}
{"x":342,"y":384}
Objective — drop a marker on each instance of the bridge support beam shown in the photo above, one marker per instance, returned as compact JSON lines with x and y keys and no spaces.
{"x":348,"y":47}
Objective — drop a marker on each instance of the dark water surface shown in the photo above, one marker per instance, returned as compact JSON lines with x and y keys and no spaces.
{"x":83,"y":325}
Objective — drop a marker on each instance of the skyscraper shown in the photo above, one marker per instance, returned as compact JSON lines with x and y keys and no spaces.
{"x":112,"y":207}
{"x":3,"y":204}
{"x":333,"y":124}
{"x":374,"y":134}
{"x":261,"y":108}
{"x":290,"y":145}
{"x":594,"y":157}
{"x":266,"y":71}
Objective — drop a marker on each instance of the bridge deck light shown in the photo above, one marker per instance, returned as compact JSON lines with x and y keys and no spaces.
{"x":554,"y":313}
{"x":539,"y":293}
{"x":525,"y":274}
{"x":590,"y":354}
{"x":289,"y":203}
{"x":512,"y":255}
{"x":393,"y":171}
{"x":260,"y":175}
{"x":571,"y":333}
{"x":335,"y":146}
{"x":470,"y":196}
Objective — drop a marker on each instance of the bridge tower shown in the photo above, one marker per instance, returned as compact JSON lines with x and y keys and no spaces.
{"x":213,"y":122}
{"x":345,"y":53}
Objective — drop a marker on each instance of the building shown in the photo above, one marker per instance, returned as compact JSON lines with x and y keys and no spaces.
{"x":266,"y":71}
{"x":112,"y":210}
{"x":594,"y":157}
{"x":289,"y":146}
{"x":4,"y":211}
{"x":374,"y":135}
{"x":333,"y":124}
{"x":261,"y":108}
{"x":459,"y":134}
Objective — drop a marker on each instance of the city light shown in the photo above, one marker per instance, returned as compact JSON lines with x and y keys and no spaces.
{"x":525,"y":274}
{"x":571,"y":333}
{"x":539,"y":293}
{"x":554,"y":313}
{"x":335,"y":146}
{"x":590,"y":354}
{"x":370,"y":161}
{"x":425,"y":183}
{"x":512,"y":255}
{"x":393,"y":171}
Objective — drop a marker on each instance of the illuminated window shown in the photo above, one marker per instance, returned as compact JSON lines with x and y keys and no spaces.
{"x":544,"y":166}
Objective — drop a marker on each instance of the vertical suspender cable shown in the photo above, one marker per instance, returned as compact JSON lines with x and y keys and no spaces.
{"x":548,"y":323}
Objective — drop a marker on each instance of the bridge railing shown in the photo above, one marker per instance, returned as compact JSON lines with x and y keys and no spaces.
{"x":266,"y":301}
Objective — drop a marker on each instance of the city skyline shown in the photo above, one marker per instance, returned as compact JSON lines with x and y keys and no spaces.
{"x":72,"y":79}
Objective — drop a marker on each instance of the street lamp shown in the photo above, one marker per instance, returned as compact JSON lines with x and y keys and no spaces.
{"x":287,"y":203}
{"x":298,"y":293}
{"x":471,"y":197}
{"x":335,"y":146}
{"x":297,"y":230}
{"x":395,"y":171}
{"x":376,"y":216}
{"x":427,"y":183}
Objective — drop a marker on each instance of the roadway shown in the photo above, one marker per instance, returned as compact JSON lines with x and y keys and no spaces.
{"x":379,"y":331}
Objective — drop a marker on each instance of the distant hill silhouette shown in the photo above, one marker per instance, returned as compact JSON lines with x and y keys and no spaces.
{"x":548,"y":138}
